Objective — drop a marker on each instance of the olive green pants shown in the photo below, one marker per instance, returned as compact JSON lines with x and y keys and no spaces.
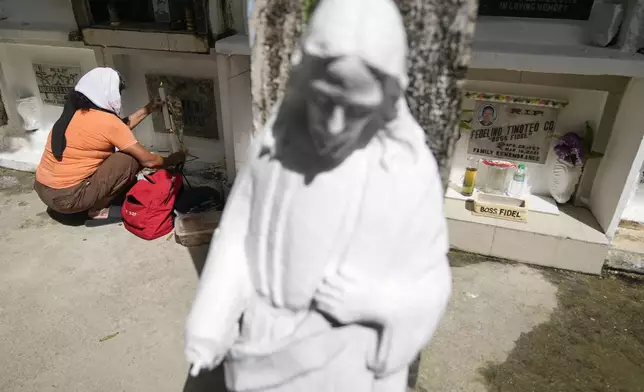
{"x":111,"y":178}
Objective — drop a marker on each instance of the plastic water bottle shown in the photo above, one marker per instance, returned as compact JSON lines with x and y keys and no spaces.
{"x":518,"y":182}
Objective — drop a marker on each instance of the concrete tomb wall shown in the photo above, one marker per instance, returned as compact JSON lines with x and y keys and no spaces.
{"x":583,"y":105}
{"x":620,"y":167}
{"x":49,"y":14}
{"x":190,"y":78}
{"x":634,"y":210}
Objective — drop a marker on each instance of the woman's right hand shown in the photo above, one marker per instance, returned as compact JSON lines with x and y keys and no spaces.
{"x":175,"y":158}
{"x":154,"y":105}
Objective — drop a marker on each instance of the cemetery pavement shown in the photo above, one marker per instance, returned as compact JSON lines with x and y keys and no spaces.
{"x":101,"y":310}
{"x":514,"y":328}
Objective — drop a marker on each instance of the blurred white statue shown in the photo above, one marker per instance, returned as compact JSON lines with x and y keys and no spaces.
{"x":329,"y":269}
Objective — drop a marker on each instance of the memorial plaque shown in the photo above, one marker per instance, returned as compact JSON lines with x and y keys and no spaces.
{"x":55,"y":82}
{"x":3,"y":112}
{"x":513,"y":128}
{"x":192,"y":105}
{"x":554,"y":9}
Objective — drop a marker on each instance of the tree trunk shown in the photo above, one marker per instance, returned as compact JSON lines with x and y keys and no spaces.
{"x":276,"y":26}
{"x":439,"y":34}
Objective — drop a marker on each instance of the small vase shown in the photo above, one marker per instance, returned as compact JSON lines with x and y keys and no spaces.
{"x":563,"y":180}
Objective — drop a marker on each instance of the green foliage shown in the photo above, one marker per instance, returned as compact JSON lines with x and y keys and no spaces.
{"x":589,"y":138}
{"x":308,"y":6}
{"x":465,"y":124}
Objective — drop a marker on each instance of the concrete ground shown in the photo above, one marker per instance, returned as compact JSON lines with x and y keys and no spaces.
{"x":100,"y":310}
{"x":627,"y":249}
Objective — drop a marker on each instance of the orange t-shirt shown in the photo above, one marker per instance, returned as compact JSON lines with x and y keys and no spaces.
{"x":91,"y":138}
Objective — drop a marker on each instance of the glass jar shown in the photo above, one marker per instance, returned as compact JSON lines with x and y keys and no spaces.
{"x":497,"y":176}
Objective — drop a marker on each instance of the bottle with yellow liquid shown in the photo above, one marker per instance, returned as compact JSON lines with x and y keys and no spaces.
{"x":470,"y":177}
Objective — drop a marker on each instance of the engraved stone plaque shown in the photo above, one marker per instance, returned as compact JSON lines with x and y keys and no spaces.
{"x":55,"y":82}
{"x":191,"y":105}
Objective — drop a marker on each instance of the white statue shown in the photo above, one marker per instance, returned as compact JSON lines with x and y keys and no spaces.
{"x":329,"y":269}
{"x":563,"y":180}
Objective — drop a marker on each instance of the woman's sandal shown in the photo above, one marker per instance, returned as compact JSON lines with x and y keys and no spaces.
{"x":113,"y":216}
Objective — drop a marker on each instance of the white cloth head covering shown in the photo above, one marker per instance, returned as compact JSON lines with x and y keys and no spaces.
{"x":101,"y":86}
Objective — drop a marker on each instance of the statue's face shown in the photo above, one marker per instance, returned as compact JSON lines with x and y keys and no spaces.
{"x":342,"y":102}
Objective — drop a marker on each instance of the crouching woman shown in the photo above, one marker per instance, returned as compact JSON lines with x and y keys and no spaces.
{"x":80,"y":170}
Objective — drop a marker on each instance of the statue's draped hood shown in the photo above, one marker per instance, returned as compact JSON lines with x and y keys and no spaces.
{"x":370,"y":29}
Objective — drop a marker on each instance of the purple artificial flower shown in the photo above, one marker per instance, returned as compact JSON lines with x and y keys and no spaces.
{"x":570,"y":148}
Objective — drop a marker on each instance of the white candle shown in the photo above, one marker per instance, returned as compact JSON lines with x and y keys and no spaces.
{"x":175,"y":145}
{"x":166,"y":113}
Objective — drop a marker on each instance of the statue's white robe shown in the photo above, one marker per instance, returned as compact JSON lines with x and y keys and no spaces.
{"x":379,"y":213}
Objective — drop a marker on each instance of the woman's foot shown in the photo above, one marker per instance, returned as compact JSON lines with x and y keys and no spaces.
{"x":104,"y":216}
{"x":103,"y":213}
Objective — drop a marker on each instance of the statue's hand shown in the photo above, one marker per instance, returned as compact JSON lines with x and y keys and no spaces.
{"x":352,"y":299}
{"x":202,"y":355}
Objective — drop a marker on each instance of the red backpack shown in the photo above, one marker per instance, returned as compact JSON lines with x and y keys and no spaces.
{"x":147,"y":211}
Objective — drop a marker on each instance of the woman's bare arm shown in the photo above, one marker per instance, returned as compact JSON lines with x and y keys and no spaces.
{"x":135,"y":118}
{"x":152,"y":160}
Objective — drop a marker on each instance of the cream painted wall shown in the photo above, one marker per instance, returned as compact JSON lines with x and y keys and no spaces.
{"x":39,"y":13}
{"x":623,"y":159}
{"x":584,"y":105}
{"x":242,"y":118}
{"x":634,"y":210}
{"x":235,"y":91}
{"x":135,"y":66}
